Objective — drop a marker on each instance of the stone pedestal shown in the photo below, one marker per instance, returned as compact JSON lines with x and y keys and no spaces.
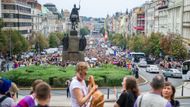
{"x":73,"y":56}
{"x":73,"y":53}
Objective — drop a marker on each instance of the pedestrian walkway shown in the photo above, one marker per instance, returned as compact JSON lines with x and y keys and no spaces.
{"x":61,"y":100}
{"x":183,"y":90}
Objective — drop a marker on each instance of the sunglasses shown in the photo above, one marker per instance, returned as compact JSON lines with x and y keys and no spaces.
{"x":83,"y":73}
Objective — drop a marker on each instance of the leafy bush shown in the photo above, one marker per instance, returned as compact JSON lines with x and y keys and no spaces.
{"x":106,"y":75}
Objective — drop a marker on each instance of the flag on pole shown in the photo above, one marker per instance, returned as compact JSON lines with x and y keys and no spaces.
{"x":105,"y":28}
{"x":106,"y":36}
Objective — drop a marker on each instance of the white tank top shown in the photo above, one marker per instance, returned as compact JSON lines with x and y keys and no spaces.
{"x":82,"y":86}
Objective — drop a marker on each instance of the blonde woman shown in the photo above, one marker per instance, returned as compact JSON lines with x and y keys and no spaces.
{"x":13,"y":91}
{"x":78,"y":89}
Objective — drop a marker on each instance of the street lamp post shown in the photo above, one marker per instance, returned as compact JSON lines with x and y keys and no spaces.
{"x":183,"y":3}
{"x":10,"y":44}
{"x":10,"y":37}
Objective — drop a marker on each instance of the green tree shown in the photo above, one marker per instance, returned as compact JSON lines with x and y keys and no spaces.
{"x":42,"y":40}
{"x":119,"y":40}
{"x":13,"y":41}
{"x":153,"y":45}
{"x":38,"y":41}
{"x":2,"y":38}
{"x":84,"y":31}
{"x":136,"y":43}
{"x":3,"y":43}
{"x":19,"y":43}
{"x":53,"y":40}
{"x":1,"y":24}
{"x":178,"y":48}
{"x":173,"y":45}
{"x":59,"y":36}
{"x":165,"y":44}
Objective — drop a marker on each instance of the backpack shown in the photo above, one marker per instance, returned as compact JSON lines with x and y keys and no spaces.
{"x":2,"y":99}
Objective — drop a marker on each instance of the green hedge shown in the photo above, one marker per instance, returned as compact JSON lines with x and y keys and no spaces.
{"x":106,"y":75}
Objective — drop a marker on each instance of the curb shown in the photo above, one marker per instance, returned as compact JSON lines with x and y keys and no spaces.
{"x":111,"y":100}
{"x":183,"y":97}
{"x":51,"y":88}
{"x":146,"y":81}
{"x":184,"y":84}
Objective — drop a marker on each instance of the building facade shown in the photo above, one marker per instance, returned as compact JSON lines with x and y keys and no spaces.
{"x":163,"y":24}
{"x":149,"y":17}
{"x":48,"y":21}
{"x":16,"y":15}
{"x":186,"y":19}
{"x":137,"y":21}
{"x":0,"y":8}
{"x":175,"y":17}
{"x":36,"y":15}
{"x":164,"y":16}
{"x":52,"y":7}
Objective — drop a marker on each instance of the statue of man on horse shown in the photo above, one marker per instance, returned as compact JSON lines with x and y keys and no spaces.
{"x":74,"y":17}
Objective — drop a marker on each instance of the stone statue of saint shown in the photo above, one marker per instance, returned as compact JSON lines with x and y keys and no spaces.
{"x":65,"y":42}
{"x":82,"y":43}
{"x":74,"y":17}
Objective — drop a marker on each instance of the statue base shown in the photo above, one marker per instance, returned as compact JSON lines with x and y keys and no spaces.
{"x":73,"y":53}
{"x":73,"y":33}
{"x":73,"y":56}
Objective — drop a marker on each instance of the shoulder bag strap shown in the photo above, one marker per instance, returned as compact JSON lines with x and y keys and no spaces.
{"x":140,"y":101}
{"x":3,"y":98}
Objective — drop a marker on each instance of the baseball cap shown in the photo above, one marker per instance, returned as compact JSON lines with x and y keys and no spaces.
{"x":5,"y":84}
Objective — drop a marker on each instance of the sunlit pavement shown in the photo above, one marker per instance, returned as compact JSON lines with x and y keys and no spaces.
{"x":59,"y":98}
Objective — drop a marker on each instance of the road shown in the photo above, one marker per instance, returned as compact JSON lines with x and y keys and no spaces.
{"x":142,"y":71}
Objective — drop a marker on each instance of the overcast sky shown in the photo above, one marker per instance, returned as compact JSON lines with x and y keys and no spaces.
{"x":96,"y":8}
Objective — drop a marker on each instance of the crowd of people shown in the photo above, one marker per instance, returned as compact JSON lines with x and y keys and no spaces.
{"x":161,"y":95}
{"x":56,"y":59}
{"x":170,"y":64}
{"x":52,"y":59}
{"x":39,"y":96}
{"x":103,"y":57}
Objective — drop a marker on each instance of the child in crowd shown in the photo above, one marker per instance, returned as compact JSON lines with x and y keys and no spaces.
{"x":43,"y":94}
{"x":5,"y":101}
{"x":13,"y":91}
{"x":29,"y":100}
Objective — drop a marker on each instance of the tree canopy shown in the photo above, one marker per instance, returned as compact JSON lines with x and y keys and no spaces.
{"x":84,"y":31}
{"x":12,"y":40}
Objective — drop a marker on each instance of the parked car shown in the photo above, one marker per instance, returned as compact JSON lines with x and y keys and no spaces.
{"x":152,"y":68}
{"x":172,"y":73}
{"x":142,"y":63}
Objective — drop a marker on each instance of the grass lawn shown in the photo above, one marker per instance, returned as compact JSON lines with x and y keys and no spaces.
{"x":106,"y":75}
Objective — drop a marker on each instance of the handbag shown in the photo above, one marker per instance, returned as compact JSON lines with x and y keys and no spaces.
{"x":97,"y":99}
